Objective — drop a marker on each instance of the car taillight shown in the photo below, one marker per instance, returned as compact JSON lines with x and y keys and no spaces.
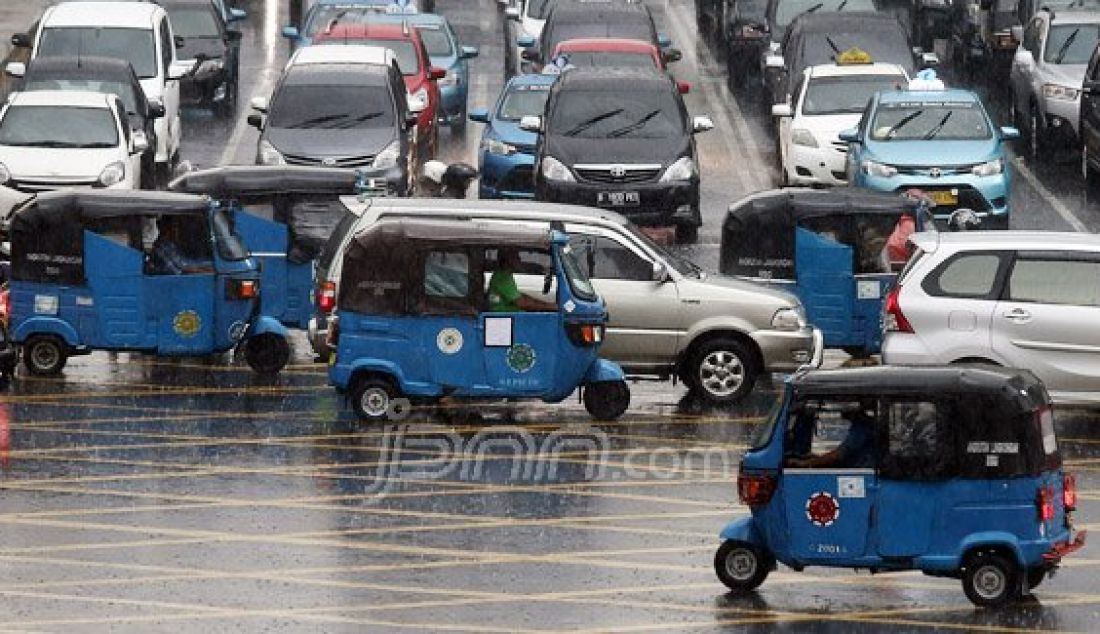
{"x":893,"y":319}
{"x":5,"y":302}
{"x":1044,"y":500}
{"x":326,"y":297}
{"x":755,"y":490}
{"x":585,"y":334}
{"x":242,"y":289}
{"x":1069,"y":492}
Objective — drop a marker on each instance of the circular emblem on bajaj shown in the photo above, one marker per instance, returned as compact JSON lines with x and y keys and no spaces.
{"x":520,"y":357}
{"x":822,"y":509}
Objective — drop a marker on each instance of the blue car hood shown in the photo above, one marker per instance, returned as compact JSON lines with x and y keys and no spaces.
{"x":510,"y":133}
{"x":919,"y":153}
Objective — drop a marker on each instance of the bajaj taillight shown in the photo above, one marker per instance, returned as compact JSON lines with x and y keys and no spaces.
{"x":326,"y":297}
{"x":893,"y":319}
{"x":1044,"y":500}
{"x":242,"y":289}
{"x":1069,"y":492}
{"x":755,"y":489}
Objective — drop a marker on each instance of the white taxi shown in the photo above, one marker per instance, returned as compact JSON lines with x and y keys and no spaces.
{"x":830,"y":98}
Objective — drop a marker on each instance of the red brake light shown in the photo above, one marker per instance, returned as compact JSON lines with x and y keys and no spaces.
{"x":1045,"y":502}
{"x":1069,"y":492}
{"x":893,"y":319}
{"x":326,"y":297}
{"x":242,"y":289}
{"x":755,"y":490}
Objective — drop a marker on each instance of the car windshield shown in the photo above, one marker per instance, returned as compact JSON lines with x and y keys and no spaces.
{"x":945,"y":121}
{"x":325,"y":17}
{"x":607,"y":59}
{"x":523,"y":101}
{"x":845,"y":95}
{"x":578,"y":281}
{"x":404,"y":50}
{"x":787,"y":10}
{"x":538,"y":9}
{"x":58,"y":127}
{"x":1071,"y":43}
{"x":682,"y":266}
{"x":230,"y":246}
{"x":312,"y":106}
{"x":193,"y":22}
{"x":437,"y":40}
{"x":133,"y":45}
{"x":603,"y":114}
{"x":125,"y":91}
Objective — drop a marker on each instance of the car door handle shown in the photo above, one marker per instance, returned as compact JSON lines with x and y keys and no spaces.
{"x":1018,"y":315}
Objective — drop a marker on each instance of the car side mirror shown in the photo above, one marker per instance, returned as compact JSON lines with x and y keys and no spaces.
{"x":21,"y":40}
{"x":531,"y":123}
{"x":468,"y":52}
{"x":291,"y":33}
{"x":851,"y":135}
{"x":139,"y":142}
{"x":1017,"y":32}
{"x":15,"y":69}
{"x":782,"y":110}
{"x":672,"y":55}
{"x":512,"y":13}
{"x":525,"y":41}
{"x":259,"y":104}
{"x":775,"y":62}
{"x":436,"y":74}
{"x":236,"y":15}
{"x":178,"y":41}
{"x":701,"y":123}
{"x":683,"y":87}
{"x":1089,"y":87}
{"x":660,"y":272}
{"x":156,"y":109}
{"x":1009,"y":133}
{"x":480,"y":115}
{"x":256,"y":121}
{"x":663,"y":40}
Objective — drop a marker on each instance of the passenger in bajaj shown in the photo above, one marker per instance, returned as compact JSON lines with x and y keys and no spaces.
{"x":855,"y":451}
{"x":504,"y":294}
{"x":172,"y":254}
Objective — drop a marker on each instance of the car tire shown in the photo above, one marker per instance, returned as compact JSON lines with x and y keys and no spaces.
{"x":45,"y":355}
{"x":606,"y":400}
{"x":721,"y":370}
{"x":267,"y":353}
{"x":372,"y":398}
{"x":990,"y":580}
{"x":742,"y":566}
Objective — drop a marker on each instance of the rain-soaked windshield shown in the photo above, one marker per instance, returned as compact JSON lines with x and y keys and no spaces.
{"x":951,"y":121}
{"x":58,"y":127}
{"x":603,"y":114}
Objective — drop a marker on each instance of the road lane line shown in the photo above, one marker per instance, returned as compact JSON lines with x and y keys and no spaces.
{"x":1055,"y":203}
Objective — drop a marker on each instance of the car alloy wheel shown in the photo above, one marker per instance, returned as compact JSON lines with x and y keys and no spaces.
{"x":721,"y":373}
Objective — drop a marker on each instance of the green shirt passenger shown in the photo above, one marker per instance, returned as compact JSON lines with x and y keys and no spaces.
{"x":504,"y":294}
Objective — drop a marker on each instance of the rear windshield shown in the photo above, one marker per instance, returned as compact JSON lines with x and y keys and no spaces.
{"x":133,"y":45}
{"x":330,"y":107}
{"x":437,"y":41}
{"x":403,"y":50}
{"x":58,"y":127}
{"x":787,"y":10}
{"x":194,"y":22}
{"x":632,"y":26}
{"x":608,"y":59}
{"x":125,"y":91}
{"x":603,"y":114}
{"x":924,"y":121}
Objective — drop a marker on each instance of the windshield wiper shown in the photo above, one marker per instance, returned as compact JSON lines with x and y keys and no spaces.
{"x":640,"y":123}
{"x":316,"y":121}
{"x":832,"y":44}
{"x":904,"y":122}
{"x":840,"y":7}
{"x":939,"y":126}
{"x":351,"y":123}
{"x":1065,"y":46}
{"x":584,"y":125}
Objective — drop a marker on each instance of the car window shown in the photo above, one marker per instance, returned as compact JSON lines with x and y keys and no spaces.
{"x":607,"y":59}
{"x":924,"y":121}
{"x":437,"y":41}
{"x":447,"y":274}
{"x":971,"y":275}
{"x":539,"y":9}
{"x":58,"y":127}
{"x":403,"y":50}
{"x":919,"y":443}
{"x":1071,"y":43}
{"x":194,"y":22}
{"x":1055,"y":282}
{"x":309,"y":106}
{"x":834,"y":433}
{"x":132,"y":45}
{"x":603,"y":258}
{"x":788,"y":10}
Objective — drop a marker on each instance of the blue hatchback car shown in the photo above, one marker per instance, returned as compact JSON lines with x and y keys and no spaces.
{"x":506,"y":158}
{"x":936,"y":140}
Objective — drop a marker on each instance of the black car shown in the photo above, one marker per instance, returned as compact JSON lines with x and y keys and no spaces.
{"x":1089,"y":124}
{"x":739,"y":30}
{"x":98,"y":74}
{"x":572,"y":19}
{"x":621,"y":139}
{"x":214,"y":49}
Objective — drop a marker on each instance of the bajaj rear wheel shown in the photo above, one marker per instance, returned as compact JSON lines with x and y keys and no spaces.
{"x":372,"y":398}
{"x":606,"y":400}
{"x":45,"y":355}
{"x":990,"y":580}
{"x":267,"y":353}
{"x":741,"y":566}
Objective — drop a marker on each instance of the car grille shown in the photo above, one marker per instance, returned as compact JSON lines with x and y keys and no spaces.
{"x":330,"y":161}
{"x":618,"y":174}
{"x":520,"y":179}
{"x":928,"y":170}
{"x":31,"y":186}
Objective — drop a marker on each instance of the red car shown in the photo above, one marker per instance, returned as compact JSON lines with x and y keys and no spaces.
{"x":412,"y":57}
{"x":608,"y":52}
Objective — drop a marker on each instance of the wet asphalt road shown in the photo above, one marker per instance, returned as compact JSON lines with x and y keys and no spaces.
{"x":148,"y":495}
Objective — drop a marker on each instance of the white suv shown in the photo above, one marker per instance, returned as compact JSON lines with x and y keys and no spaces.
{"x":65,"y":139}
{"x":1013,"y":298}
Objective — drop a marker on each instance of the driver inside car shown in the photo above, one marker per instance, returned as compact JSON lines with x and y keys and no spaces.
{"x":504,"y":294}
{"x":170,"y":255}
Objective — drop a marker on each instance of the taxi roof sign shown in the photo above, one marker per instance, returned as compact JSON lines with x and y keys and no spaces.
{"x":853,"y":56}
{"x":927,"y":80}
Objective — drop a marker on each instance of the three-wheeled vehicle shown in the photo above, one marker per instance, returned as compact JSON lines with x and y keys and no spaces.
{"x":285,"y":214}
{"x":127,"y":271}
{"x":831,"y":248}
{"x":953,"y":471}
{"x":424,"y":311}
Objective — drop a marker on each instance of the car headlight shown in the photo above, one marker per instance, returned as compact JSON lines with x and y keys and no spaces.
{"x":872,"y":168}
{"x":802,"y":136}
{"x":112,"y":174}
{"x":450,"y":79}
{"x":500,"y":148}
{"x":388,"y":156}
{"x":5,"y":174}
{"x":555,"y":170}
{"x":683,"y":169}
{"x":1058,"y":91}
{"x":989,"y":168}
{"x":789,"y":319}
{"x":269,"y":155}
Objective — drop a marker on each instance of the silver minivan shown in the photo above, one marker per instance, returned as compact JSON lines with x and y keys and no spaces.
{"x":668,"y":318}
{"x":1022,"y":299}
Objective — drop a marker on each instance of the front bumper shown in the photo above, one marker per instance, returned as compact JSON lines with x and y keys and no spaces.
{"x":786,"y":351}
{"x":509,"y":176}
{"x":986,"y":195}
{"x":672,"y":203}
{"x":817,"y":166}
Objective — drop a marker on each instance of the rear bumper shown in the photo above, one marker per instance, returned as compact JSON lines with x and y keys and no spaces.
{"x":1061,"y":549}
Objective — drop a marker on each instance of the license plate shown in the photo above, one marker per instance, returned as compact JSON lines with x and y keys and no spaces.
{"x":618,"y":199}
{"x":948,"y":197}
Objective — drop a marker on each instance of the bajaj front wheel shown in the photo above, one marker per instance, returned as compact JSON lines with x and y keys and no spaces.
{"x":606,"y":400}
{"x":45,"y":355}
{"x":267,"y":353}
{"x":741,"y":566}
{"x":372,"y":399}
{"x":990,"y":580}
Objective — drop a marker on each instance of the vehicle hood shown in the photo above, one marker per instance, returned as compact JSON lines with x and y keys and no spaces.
{"x":208,"y":47}
{"x":920,"y":153}
{"x":47,"y":163}
{"x":622,"y":150}
{"x":718,"y":287}
{"x":1072,"y":75}
{"x":319,"y":142}
{"x":510,"y":132}
{"x":153,"y":88}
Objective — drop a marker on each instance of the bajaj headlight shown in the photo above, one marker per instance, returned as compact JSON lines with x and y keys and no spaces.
{"x":683,"y":169}
{"x":500,"y":148}
{"x":872,"y":168}
{"x":789,"y":319}
{"x":112,"y":174}
{"x":388,"y":156}
{"x":269,"y":155}
{"x":991,"y":168}
{"x":803,"y":137}
{"x":555,"y":170}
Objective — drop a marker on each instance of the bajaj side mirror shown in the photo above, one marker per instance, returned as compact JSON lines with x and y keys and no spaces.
{"x":259,"y":104}
{"x":256,"y":121}
{"x":775,"y":62}
{"x":512,"y":13}
{"x":21,"y":40}
{"x":782,"y":110}
{"x":236,"y":15}
{"x":156,"y":109}
{"x":469,"y":52}
{"x":291,"y":33}
{"x":701,"y":123}
{"x":525,"y":41}
{"x":480,"y":115}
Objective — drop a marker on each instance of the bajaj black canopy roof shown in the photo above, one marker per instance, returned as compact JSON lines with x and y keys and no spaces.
{"x":1016,"y":386}
{"x":233,"y":181}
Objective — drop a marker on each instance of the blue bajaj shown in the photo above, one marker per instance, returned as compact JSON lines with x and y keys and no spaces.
{"x":953,"y":471}
{"x":285,"y":215}
{"x":149,"y":272}
{"x":429,"y":309}
{"x":838,"y":251}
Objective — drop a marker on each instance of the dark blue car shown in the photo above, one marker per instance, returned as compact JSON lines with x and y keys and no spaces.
{"x":506,"y":158}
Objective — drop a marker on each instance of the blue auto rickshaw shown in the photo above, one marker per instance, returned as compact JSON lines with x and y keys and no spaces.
{"x":954,"y":471}
{"x":147,"y":272}
{"x":285,"y":215}
{"x":830,"y":248}
{"x":414,"y":320}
